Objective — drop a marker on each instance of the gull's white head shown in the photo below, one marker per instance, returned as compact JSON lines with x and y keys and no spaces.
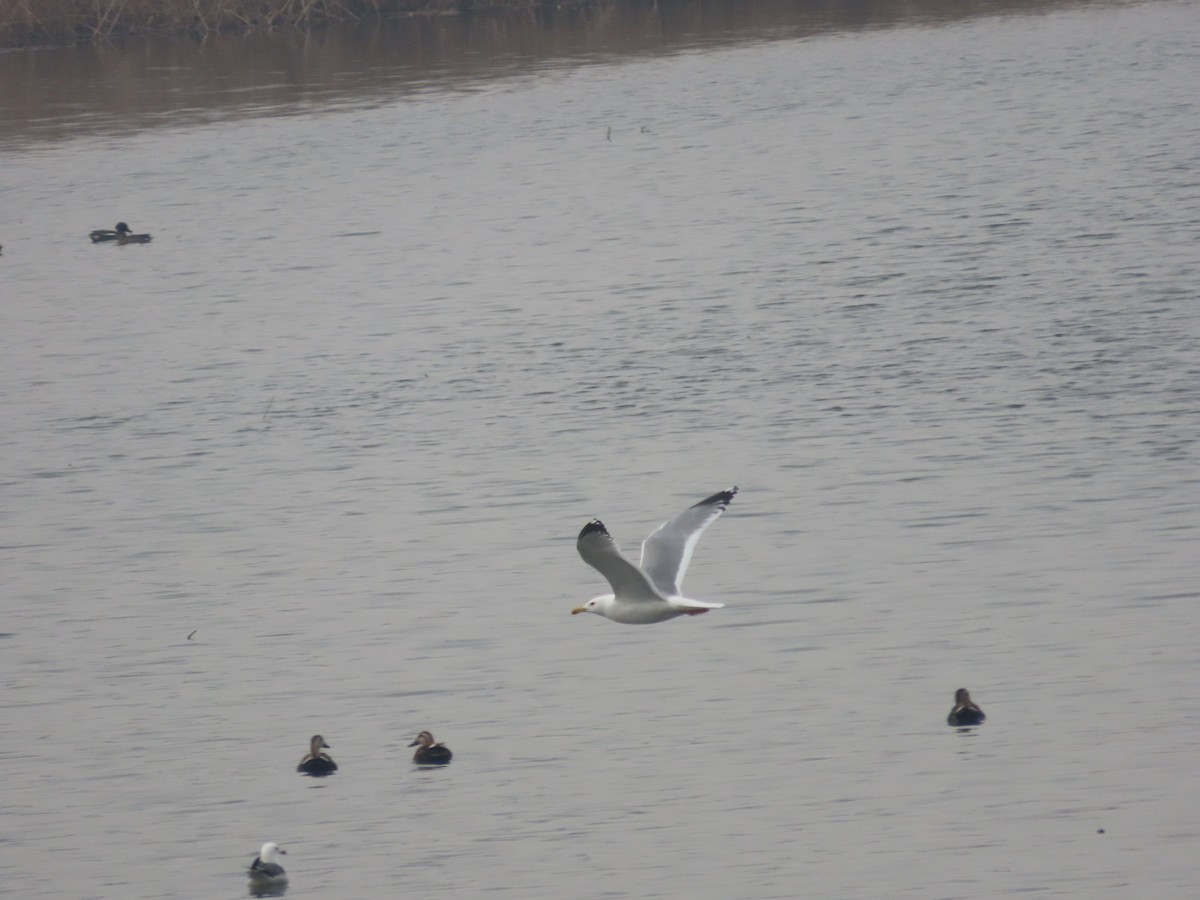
{"x":597,"y":605}
{"x":269,"y":851}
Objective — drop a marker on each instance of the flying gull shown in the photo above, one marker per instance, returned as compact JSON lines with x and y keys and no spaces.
{"x":650,"y":592}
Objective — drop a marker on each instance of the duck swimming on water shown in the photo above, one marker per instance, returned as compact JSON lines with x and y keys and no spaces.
{"x":127,"y":237}
{"x":264,"y":871}
{"x":965,"y":711}
{"x":315,"y":762}
{"x":122,"y":234}
{"x":429,"y":752}
{"x":108,"y":234}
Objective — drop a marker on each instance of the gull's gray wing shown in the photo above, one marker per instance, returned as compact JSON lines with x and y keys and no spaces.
{"x":600,"y":551}
{"x":668,"y":550}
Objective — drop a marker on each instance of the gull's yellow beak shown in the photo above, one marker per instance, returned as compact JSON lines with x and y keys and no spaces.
{"x":578,"y":610}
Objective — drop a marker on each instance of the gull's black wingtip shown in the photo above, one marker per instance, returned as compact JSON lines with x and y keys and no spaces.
{"x":593,"y":527}
{"x":721,"y":498}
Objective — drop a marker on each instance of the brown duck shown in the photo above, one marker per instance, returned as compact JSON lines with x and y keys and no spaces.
{"x":429,"y":752}
{"x":315,"y":762}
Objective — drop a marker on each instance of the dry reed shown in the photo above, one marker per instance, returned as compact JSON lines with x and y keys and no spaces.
{"x":25,"y":23}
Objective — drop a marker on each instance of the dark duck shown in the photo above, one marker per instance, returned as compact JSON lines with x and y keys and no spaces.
{"x":965,"y":711}
{"x":122,"y":234}
{"x":429,"y":752}
{"x":315,"y":762}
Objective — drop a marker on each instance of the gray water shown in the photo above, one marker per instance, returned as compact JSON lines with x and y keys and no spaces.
{"x":924,"y":288}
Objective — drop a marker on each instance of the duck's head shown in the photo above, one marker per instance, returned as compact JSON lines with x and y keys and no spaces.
{"x":318,"y":744}
{"x":269,"y":851}
{"x":424,"y":739}
{"x":962,"y":697}
{"x":122,"y":228}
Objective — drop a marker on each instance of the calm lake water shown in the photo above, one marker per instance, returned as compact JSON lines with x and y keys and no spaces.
{"x":422,"y":300}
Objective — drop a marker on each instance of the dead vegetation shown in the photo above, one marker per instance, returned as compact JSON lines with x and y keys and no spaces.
{"x":28,"y":23}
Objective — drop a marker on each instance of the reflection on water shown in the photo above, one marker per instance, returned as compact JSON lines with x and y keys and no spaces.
{"x":143,"y":82}
{"x":277,"y":891}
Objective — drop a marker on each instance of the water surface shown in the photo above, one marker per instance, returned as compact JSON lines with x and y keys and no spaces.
{"x":924,"y":289}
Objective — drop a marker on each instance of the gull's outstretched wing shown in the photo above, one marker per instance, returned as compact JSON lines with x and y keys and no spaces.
{"x":668,"y":550}
{"x":600,"y":551}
